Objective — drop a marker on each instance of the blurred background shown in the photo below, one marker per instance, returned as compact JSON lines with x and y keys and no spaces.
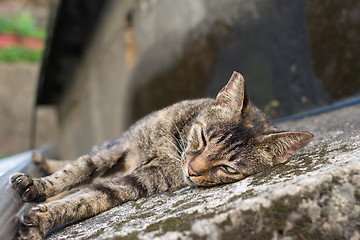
{"x":23,"y":31}
{"x":76,"y":72}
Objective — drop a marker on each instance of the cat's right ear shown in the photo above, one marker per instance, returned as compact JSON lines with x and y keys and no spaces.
{"x":233,"y":95}
{"x":284,"y":145}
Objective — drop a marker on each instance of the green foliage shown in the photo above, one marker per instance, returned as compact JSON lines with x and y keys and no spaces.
{"x":272,"y":105}
{"x":15,"y":54}
{"x":22,"y":25}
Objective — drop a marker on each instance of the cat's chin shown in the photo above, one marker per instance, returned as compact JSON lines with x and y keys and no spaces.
{"x":188,"y":180}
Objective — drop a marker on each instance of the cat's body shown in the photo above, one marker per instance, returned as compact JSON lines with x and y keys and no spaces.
{"x":197,"y":142}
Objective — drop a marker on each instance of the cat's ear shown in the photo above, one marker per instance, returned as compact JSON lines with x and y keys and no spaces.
{"x":233,"y":95}
{"x":284,"y":145}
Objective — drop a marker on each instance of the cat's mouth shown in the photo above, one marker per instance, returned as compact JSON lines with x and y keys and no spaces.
{"x":186,"y":175}
{"x":189,"y":181}
{"x":190,"y":175}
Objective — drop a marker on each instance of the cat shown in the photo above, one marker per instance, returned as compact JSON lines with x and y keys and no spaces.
{"x":202,"y":142}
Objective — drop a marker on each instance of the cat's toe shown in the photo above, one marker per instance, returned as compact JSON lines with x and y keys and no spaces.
{"x":27,"y":233}
{"x":31,"y":224}
{"x":21,"y":182}
{"x":25,"y":186}
{"x":37,"y":158}
{"x":40,"y":161}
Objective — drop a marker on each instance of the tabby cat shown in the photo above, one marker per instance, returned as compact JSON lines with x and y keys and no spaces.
{"x":201,"y":142}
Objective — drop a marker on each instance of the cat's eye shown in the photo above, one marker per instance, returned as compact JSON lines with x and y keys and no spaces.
{"x":230,"y":169}
{"x":201,"y":143}
{"x":200,"y":150}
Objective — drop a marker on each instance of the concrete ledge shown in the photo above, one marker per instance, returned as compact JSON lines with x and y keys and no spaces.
{"x":11,"y":203}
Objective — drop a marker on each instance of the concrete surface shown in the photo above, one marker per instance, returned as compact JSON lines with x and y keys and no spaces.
{"x":10,"y":202}
{"x":17,"y":92}
{"x":314,"y":196}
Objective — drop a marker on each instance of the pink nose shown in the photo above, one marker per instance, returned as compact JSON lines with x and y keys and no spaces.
{"x":191,"y":171}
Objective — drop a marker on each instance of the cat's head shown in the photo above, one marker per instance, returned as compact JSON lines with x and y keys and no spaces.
{"x":232,"y":139}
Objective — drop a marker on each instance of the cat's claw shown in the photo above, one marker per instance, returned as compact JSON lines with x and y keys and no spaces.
{"x":26,"y":187}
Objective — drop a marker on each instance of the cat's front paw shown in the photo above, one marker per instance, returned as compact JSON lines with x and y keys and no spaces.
{"x":31,"y":224}
{"x":26,"y":187}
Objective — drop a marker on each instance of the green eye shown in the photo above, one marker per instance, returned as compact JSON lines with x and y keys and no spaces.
{"x":230,"y":169}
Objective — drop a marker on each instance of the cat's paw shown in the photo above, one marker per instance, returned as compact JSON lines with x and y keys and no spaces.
{"x":41,"y":162}
{"x":26,"y":187}
{"x":31,"y":224}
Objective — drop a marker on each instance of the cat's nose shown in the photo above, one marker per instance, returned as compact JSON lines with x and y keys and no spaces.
{"x":192,"y":172}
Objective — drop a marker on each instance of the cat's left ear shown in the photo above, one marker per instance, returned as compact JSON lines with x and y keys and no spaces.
{"x":284,"y":145}
{"x":233,"y":95}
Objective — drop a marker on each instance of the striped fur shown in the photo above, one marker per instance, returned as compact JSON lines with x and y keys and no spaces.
{"x":198,"y":142}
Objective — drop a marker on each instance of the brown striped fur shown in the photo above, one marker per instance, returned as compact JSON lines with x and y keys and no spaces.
{"x":197,"y":142}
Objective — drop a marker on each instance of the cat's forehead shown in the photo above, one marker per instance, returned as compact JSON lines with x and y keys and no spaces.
{"x":215,"y":114}
{"x":229,"y":142}
{"x":228,"y":132}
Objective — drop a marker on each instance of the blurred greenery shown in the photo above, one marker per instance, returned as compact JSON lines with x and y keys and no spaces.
{"x":18,"y":53}
{"x":22,"y":25}
{"x":272,"y":105}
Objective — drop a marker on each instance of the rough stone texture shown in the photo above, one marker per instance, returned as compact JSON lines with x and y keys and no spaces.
{"x":314,"y":196}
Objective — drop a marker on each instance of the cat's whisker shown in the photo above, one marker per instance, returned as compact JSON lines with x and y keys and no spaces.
{"x":176,"y":147}
{"x":184,"y":141}
{"x":171,"y":156}
{"x":179,"y":142}
{"x":177,"y":155}
{"x":181,"y":138}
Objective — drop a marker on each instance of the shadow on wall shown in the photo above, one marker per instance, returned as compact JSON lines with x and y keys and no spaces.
{"x":186,"y":79}
{"x":334,"y":29}
{"x":269,"y":43}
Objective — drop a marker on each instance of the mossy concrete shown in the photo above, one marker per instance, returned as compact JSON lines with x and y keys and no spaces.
{"x":316,"y":195}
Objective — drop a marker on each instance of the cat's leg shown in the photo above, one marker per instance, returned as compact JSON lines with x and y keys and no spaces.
{"x":100,"y":197}
{"x":80,"y":171}
{"x":49,"y":166}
